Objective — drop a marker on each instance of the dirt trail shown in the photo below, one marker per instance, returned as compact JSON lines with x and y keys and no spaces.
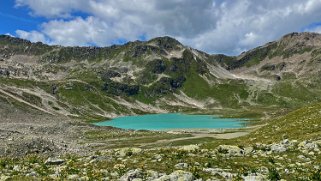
{"x":201,"y":135}
{"x":228,"y":134}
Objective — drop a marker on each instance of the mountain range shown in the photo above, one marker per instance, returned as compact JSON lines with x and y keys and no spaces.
{"x":161,"y":75}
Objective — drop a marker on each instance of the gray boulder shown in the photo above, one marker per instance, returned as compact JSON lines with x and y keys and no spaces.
{"x":132,"y":175}
{"x":178,"y":175}
{"x":181,"y":165}
{"x":278,"y":148}
{"x":308,"y":145}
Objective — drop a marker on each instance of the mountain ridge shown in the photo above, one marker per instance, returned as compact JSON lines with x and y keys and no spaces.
{"x":160,"y":75}
{"x":290,"y":36}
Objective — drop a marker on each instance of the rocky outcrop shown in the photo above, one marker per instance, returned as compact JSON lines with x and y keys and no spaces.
{"x":116,"y":88}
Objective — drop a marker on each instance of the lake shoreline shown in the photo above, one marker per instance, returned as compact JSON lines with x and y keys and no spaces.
{"x":177,"y":122}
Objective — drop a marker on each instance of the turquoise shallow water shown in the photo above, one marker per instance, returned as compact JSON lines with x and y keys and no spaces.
{"x":172,"y":121}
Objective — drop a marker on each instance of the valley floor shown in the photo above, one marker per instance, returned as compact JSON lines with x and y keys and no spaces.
{"x":41,"y":146}
{"x":28,"y":131}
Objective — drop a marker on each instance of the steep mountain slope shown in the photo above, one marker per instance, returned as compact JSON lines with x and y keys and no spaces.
{"x":160,"y":75}
{"x":292,"y":63}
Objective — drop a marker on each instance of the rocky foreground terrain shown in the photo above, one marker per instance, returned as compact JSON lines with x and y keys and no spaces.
{"x":50,"y":95}
{"x":288,"y":159}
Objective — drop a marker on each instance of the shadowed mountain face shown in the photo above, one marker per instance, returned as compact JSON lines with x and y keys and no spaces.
{"x":160,"y":75}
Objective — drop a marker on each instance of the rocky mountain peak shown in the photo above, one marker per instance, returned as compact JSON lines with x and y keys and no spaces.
{"x":301,"y":39}
{"x":166,"y":42}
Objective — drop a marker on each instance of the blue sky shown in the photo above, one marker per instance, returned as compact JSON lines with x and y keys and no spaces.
{"x":214,"y":26}
{"x":13,"y":19}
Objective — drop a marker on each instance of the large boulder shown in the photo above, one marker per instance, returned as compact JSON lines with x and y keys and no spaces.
{"x":132,"y":175}
{"x":278,"y":148}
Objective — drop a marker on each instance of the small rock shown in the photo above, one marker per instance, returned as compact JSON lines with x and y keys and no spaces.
{"x":114,"y":174}
{"x":32,"y":174}
{"x":248,"y":150}
{"x":286,"y":141}
{"x":73,"y":177}
{"x":178,"y":175}
{"x":189,"y":148}
{"x":5,"y":178}
{"x":54,"y":161}
{"x":181,"y":165}
{"x":302,"y":157}
{"x":306,"y":145}
{"x":16,"y":168}
{"x":158,"y":158}
{"x":278,"y":148}
{"x":254,"y":177}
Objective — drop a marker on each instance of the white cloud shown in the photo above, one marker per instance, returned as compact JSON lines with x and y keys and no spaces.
{"x":53,"y":8}
{"x":78,"y":32}
{"x":215,"y":26}
{"x":249,"y":39}
{"x":33,"y":36}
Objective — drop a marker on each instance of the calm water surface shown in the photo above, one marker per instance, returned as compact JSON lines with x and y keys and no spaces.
{"x":173,"y":121}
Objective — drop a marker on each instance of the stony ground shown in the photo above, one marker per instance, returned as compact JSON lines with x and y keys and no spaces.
{"x":288,"y":159}
{"x":28,"y":131}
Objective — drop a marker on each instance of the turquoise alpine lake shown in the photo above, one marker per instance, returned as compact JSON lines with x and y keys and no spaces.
{"x":173,"y":121}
